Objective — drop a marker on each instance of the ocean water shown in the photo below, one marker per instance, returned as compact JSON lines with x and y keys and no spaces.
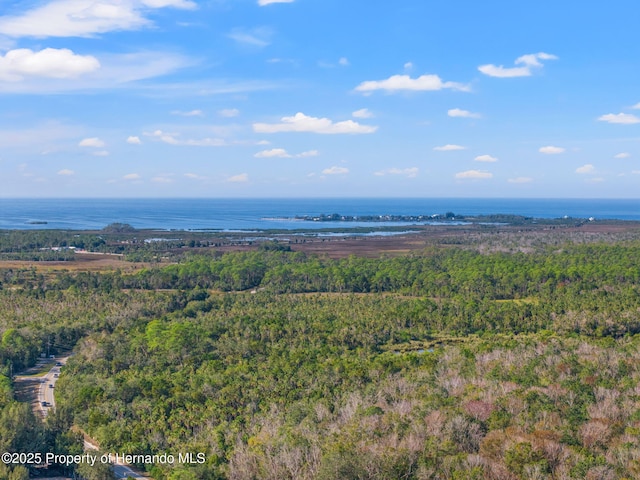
{"x":260,"y":214}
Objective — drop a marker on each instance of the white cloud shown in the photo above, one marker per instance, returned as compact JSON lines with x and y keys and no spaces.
{"x":132,"y":176}
{"x":240,"y":178}
{"x":93,"y":142}
{"x":191,"y":113}
{"x":172,"y":139}
{"x":528,"y":61}
{"x":84,"y":18}
{"x":502,"y":72}
{"x":274,"y":152}
{"x":256,"y":37}
{"x":473,"y":174}
{"x":622,"y":155}
{"x":405,"y":82}
{"x":344,"y":61}
{"x":229,"y":112}
{"x":636,"y":106}
{"x":134,"y":140}
{"x":161,"y":179}
{"x":194,"y":176}
{"x":282,"y":153}
{"x":184,"y":4}
{"x":100,"y":153}
{"x":335,"y":171}
{"x":520,"y":180}
{"x":66,"y":171}
{"x":408,"y":66}
{"x":303,"y":123}
{"x":635,"y":172}
{"x":262,"y":3}
{"x":17,"y":64}
{"x":408,"y":172}
{"x":621,"y":118}
{"x":309,"y":153}
{"x":115,"y":71}
{"x":531,"y":59}
{"x":586,"y":169}
{"x":485,"y":158}
{"x":449,"y":148}
{"x":551,"y":150}
{"x":456,"y":112}
{"x":362,"y":113}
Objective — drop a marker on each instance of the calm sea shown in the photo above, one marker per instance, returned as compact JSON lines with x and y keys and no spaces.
{"x":256,"y":214}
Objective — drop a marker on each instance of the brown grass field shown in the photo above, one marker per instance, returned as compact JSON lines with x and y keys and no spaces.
{"x":84,"y":262}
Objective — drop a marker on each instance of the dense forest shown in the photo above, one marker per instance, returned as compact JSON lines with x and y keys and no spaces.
{"x":505,"y":357}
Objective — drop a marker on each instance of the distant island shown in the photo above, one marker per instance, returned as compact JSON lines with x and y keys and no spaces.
{"x":336,"y":217}
{"x":446,"y":217}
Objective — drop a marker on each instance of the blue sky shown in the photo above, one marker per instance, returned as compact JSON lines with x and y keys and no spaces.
{"x":313,"y":98}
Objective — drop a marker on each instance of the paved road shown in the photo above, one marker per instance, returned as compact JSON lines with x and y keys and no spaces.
{"x":120,"y":470}
{"x":47,"y":386}
{"x":46,"y":394}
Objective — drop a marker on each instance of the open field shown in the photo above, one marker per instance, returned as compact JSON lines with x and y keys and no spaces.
{"x":83,"y":262}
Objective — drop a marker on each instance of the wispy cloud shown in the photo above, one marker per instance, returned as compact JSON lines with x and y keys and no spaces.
{"x":162,"y":179}
{"x":133,"y":140}
{"x":411,"y":172}
{"x":256,"y":37}
{"x":362,"y":113}
{"x":551,"y":150}
{"x":342,"y":62}
{"x":485,"y":158}
{"x":240,"y":178}
{"x":520,"y":180}
{"x":229,"y":112}
{"x":528,"y":62}
{"x":335,"y":171}
{"x":263,"y":3}
{"x":173,"y":139}
{"x":473,"y":175}
{"x":195,"y":176}
{"x":274,"y":152}
{"x":282,"y":153}
{"x":309,"y":153}
{"x":93,"y":142}
{"x":54,"y":71}
{"x":620,"y":118}
{"x":190,"y":113}
{"x":456,"y":112}
{"x":398,"y":83}
{"x":132,"y":176}
{"x":42,"y":136}
{"x":586,"y":169}
{"x":304,"y":123}
{"x":622,"y":155}
{"x":84,"y":18}
{"x":449,"y":148}
{"x":66,"y":172}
